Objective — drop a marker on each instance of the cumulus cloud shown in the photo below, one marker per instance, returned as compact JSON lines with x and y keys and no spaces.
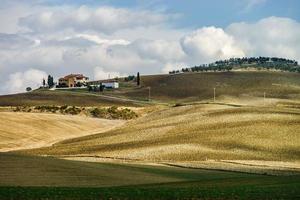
{"x":162,"y":50}
{"x":14,"y":41}
{"x":17,"y":82}
{"x":170,"y":66}
{"x":103,"y":19}
{"x":209,"y":43}
{"x":272,"y":36}
{"x":101,"y":74}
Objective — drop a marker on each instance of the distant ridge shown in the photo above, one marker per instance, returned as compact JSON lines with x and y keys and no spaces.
{"x":259,"y":63}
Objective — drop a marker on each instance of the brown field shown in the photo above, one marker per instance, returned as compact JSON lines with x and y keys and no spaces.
{"x":199,"y":86}
{"x":59,"y":98}
{"x":196,"y":133}
{"x":241,"y":130}
{"x":32,"y":130}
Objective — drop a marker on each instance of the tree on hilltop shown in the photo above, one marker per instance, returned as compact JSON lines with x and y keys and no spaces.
{"x":50,"y":81}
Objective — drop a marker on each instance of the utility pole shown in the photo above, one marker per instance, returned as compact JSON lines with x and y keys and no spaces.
{"x":214,"y":94}
{"x":149,"y":93}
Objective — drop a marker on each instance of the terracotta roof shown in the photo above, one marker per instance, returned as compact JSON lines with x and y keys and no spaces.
{"x":75,"y":75}
{"x":78,"y":76}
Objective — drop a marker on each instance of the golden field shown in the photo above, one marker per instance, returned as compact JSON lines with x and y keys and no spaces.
{"x":196,"y":133}
{"x":32,"y":130}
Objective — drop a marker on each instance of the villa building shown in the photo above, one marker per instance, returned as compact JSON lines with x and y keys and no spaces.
{"x":73,"y":80}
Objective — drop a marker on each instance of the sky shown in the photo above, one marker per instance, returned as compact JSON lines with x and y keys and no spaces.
{"x":121,"y":37}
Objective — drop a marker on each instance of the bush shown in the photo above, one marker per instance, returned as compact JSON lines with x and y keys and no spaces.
{"x":73,"y":110}
{"x":100,"y":113}
{"x":52,"y":109}
{"x":113,"y":113}
{"x":127,"y":114}
{"x":63,"y":108}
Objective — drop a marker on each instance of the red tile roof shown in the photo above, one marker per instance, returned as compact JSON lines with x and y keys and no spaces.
{"x":77,"y":76}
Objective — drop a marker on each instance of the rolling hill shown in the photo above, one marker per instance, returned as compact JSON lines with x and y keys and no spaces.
{"x":57,"y":97}
{"x":182,"y":145}
{"x":199,"y":86}
{"x":196,"y":133}
{"x":185,"y":87}
{"x":32,"y":130}
{"x":241,"y":125}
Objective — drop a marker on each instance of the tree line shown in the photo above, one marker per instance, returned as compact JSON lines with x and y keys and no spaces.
{"x":259,"y":63}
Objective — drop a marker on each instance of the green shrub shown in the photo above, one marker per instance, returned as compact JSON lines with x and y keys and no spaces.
{"x":45,"y":108}
{"x":113,"y":113}
{"x":73,"y":110}
{"x":97,"y":112}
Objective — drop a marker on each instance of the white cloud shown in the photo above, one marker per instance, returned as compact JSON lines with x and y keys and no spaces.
{"x":100,"y":41}
{"x":17,"y":82}
{"x":272,"y":36}
{"x":170,"y":66}
{"x":102,"y":19}
{"x":161,"y":50}
{"x":209,"y":43}
{"x":101,"y":74}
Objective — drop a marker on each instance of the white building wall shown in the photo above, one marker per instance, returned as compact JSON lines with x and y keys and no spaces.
{"x":111,"y":85}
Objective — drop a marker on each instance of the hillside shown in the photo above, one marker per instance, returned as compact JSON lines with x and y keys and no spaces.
{"x":47,"y":97}
{"x":197,"y":133}
{"x":188,"y":87}
{"x":32,"y":130}
{"x":182,"y":144}
{"x":258,"y":63}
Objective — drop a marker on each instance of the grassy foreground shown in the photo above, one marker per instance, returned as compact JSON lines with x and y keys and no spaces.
{"x":28,"y":177}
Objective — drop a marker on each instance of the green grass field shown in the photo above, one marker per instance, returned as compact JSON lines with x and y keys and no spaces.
{"x":29,"y":177}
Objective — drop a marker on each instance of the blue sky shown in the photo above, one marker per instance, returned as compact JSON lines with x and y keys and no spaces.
{"x":120,"y":37}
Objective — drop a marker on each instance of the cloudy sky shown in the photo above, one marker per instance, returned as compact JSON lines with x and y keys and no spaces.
{"x":121,"y":37}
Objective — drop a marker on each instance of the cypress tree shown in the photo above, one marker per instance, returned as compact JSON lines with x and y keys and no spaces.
{"x":138,"y":80}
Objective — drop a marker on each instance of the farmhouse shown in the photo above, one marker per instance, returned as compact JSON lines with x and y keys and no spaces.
{"x":110,"y":83}
{"x":73,"y":80}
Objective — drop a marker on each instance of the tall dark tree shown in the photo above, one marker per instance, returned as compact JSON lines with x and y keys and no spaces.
{"x":44,"y":82}
{"x":50,"y":81}
{"x":138,"y":79}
